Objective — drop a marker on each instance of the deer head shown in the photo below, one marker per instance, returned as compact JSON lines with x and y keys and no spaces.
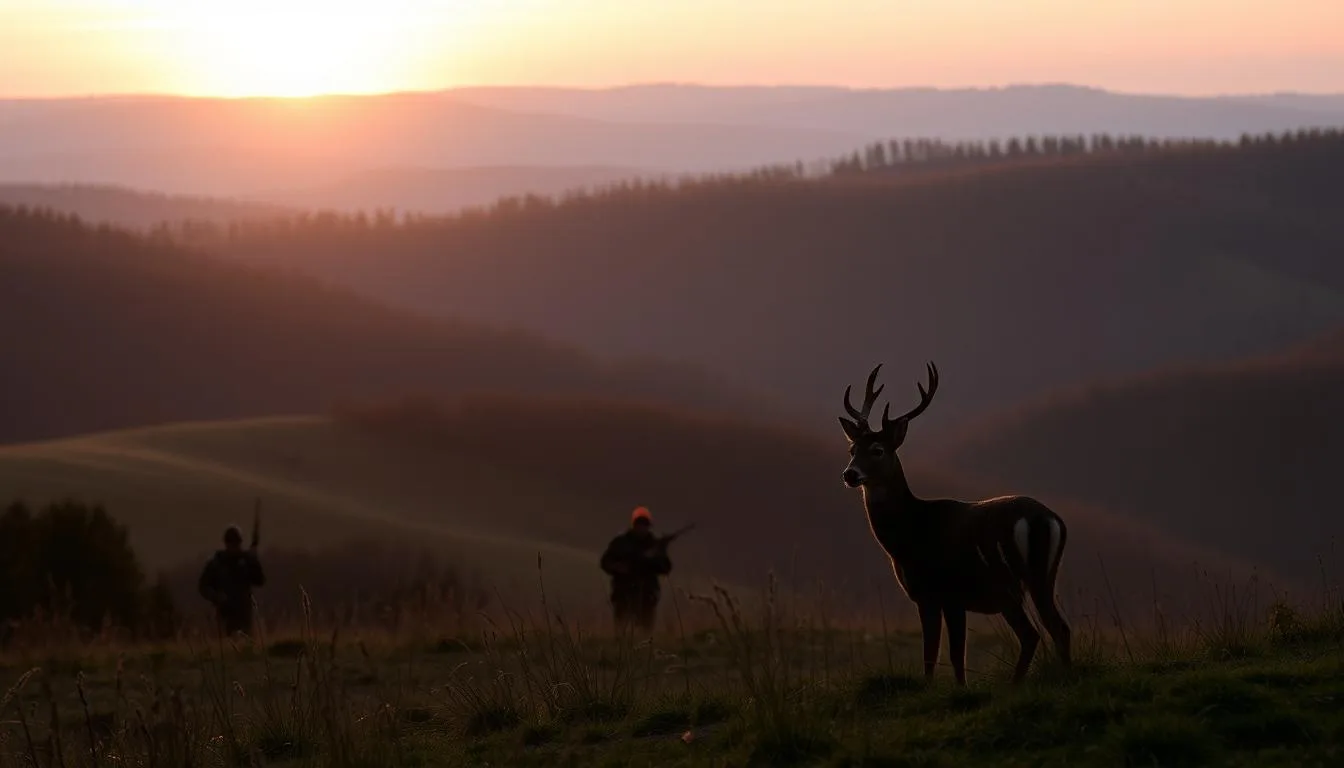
{"x":873,"y":453}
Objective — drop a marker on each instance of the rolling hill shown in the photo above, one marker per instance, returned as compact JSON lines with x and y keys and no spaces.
{"x":1017,"y":279}
{"x":133,"y":209}
{"x":101,"y":329}
{"x":437,"y":191}
{"x":400,"y":190}
{"x":494,"y":481}
{"x":1242,"y":457}
{"x":946,"y":113}
{"x":252,"y":147}
{"x":260,"y":147}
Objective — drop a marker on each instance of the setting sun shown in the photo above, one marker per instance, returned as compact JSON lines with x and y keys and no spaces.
{"x":301,"y":48}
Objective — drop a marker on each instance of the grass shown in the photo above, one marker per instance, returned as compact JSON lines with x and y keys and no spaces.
{"x":322,"y":485}
{"x":738,"y":683}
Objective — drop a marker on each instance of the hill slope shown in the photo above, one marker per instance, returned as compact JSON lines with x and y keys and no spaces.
{"x":100,"y":329}
{"x":495,"y":481}
{"x":242,"y":146}
{"x":1244,"y":458}
{"x":437,"y":191}
{"x":1016,"y":280}
{"x":947,"y":113}
{"x":254,"y":146}
{"x":131,"y":208}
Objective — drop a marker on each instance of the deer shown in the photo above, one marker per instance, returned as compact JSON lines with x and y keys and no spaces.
{"x":952,"y":557}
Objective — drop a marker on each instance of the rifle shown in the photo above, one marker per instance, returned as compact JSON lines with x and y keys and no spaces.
{"x":256,"y":524}
{"x":662,"y":541}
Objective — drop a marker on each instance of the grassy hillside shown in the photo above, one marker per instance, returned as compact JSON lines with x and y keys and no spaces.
{"x":1016,"y":279}
{"x":1244,"y":458}
{"x":497,"y":480}
{"x":778,"y":689}
{"x":101,"y":329}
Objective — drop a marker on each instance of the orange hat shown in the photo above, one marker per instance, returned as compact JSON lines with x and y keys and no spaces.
{"x":640,"y":513}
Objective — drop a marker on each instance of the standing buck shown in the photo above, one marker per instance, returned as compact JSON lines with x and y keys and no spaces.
{"x":951,"y":556}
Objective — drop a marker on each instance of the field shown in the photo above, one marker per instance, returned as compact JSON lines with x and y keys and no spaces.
{"x":780,"y":683}
{"x":179,"y":486}
{"x":789,"y":676}
{"x":449,"y":480}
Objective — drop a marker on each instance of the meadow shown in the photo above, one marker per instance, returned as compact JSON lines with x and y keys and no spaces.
{"x":770,"y":678}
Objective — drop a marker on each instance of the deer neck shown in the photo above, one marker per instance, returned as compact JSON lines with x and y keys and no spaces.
{"x":892,"y":508}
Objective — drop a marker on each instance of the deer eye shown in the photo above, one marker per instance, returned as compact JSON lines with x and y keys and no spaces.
{"x":875,"y":451}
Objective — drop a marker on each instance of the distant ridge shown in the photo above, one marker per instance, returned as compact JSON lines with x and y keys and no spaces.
{"x":254,"y":146}
{"x":1242,"y":456}
{"x":1018,"y":277}
{"x":102,"y":329}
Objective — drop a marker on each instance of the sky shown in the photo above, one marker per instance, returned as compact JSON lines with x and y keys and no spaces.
{"x":304,"y":47}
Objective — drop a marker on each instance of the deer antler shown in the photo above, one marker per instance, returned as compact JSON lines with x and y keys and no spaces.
{"x":869,"y":398}
{"x":924,"y":399}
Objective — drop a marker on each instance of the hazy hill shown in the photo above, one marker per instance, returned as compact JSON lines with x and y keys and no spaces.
{"x":957,"y":113}
{"x":264,"y":146}
{"x":409,"y":190}
{"x":1016,"y":279}
{"x":495,"y":481}
{"x":102,"y":329}
{"x":1244,"y":458}
{"x":446,"y":190}
{"x":132,"y":208}
{"x":258,"y":146}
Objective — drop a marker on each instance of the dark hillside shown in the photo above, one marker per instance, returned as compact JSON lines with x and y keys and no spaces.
{"x":1016,"y":279}
{"x":764,"y":498}
{"x":1243,"y":458}
{"x":101,"y":329}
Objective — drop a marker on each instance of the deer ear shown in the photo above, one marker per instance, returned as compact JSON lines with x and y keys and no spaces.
{"x":895,"y":431}
{"x":852,"y":429}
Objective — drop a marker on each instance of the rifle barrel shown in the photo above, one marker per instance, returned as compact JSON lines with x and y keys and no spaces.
{"x":669,"y":538}
{"x":256,"y":523}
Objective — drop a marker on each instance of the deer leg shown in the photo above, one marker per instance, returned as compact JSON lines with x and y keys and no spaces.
{"x":1027,"y":637}
{"x":1054,"y":623}
{"x":1047,"y":545}
{"x":931,"y":621}
{"x":956,"y":641}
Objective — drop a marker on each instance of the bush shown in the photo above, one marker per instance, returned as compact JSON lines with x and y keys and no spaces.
{"x":73,"y":561}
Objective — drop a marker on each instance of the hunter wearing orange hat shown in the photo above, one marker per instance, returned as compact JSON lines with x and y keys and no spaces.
{"x":634,"y":560}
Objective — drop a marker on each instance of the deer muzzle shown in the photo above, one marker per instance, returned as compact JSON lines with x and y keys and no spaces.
{"x":852,"y":477}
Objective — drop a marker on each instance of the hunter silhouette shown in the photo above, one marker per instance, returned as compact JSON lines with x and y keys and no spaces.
{"x":635,"y":560}
{"x":227,"y":581}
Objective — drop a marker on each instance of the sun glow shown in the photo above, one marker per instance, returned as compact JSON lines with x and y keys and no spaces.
{"x":307,"y":47}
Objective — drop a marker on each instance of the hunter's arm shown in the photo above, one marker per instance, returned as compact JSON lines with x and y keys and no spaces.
{"x":206,"y":583}
{"x":613,"y":560}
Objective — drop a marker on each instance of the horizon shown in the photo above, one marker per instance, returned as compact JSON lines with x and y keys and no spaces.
{"x":300,"y":48}
{"x":651,"y":84}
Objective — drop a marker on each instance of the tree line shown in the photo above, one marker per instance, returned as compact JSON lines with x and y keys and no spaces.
{"x":891,"y":156}
{"x":71,"y":563}
{"x":899,"y":154}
